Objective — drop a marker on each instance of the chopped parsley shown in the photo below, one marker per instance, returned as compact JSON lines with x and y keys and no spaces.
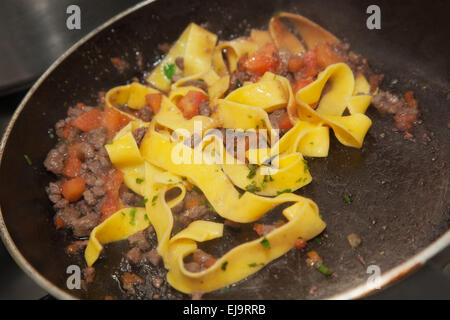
{"x":144,"y":201}
{"x":224,"y":265}
{"x":139,"y":180}
{"x":203,"y":202}
{"x":265,"y":243}
{"x":238,"y":84}
{"x":263,"y":122}
{"x":347,"y":198}
{"x":123,"y":213}
{"x":252,"y":168}
{"x":305,"y":168}
{"x":226,"y":288}
{"x":283,"y":191}
{"x":133,"y":216}
{"x":146,"y":217}
{"x":252,"y":187}
{"x":169,"y":70}
{"x":27,"y":159}
{"x":324,"y":270}
{"x":254,"y":264}
{"x":155,"y":197}
{"x":319,"y":240}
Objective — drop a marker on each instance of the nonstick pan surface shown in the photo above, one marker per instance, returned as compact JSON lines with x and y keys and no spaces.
{"x":399,"y":188}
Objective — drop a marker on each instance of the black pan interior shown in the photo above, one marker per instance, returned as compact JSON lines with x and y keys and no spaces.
{"x":398,"y":187}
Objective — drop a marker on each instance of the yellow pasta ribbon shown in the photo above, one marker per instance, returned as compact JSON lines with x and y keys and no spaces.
{"x":195,"y":46}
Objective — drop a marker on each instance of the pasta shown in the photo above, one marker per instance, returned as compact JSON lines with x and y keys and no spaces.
{"x":239,"y":189}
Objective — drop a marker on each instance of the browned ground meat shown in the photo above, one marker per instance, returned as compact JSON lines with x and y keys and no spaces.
{"x":405,"y":111}
{"x":139,"y":240}
{"x":76,"y":247}
{"x":89,"y":274}
{"x":179,"y":61}
{"x":129,"y":198}
{"x":129,"y":280}
{"x":153,"y":257}
{"x":54,"y":161}
{"x":237,"y":79}
{"x":134,"y":255}
{"x":263,"y":229}
{"x":145,"y":113}
{"x":196,"y":83}
{"x":285,"y":55}
{"x":201,"y":261}
{"x":204,"y":109}
{"x":275,"y":117}
{"x":139,"y":134}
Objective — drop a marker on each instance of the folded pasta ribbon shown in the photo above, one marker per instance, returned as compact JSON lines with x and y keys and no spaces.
{"x":349,"y":130}
{"x":196,"y":46}
{"x":245,"y":259}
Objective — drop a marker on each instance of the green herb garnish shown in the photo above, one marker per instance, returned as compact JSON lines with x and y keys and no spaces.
{"x":27,"y":159}
{"x":133,"y":216}
{"x":155,"y":197}
{"x":347,"y":198}
{"x":238,"y":84}
{"x":252,"y":168}
{"x":169,"y":70}
{"x":318,"y":240}
{"x":265,"y":243}
{"x":324,"y":270}
{"x":224,"y":265}
{"x":305,"y":167}
{"x":146,"y":217}
{"x":283,"y":191}
{"x":252,"y":187}
{"x":139,"y":180}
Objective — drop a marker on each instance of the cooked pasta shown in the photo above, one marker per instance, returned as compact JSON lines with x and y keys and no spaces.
{"x":242,"y":190}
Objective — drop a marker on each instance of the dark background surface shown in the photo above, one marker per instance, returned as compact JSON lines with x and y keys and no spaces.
{"x":430,"y":282}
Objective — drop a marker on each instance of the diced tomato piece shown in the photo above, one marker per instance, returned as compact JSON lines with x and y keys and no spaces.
{"x":300,"y":243}
{"x":285,"y":123}
{"x":154,"y":101}
{"x":74,"y":151}
{"x":113,"y":120}
{"x":59,"y":222}
{"x":66,"y":130}
{"x":73,"y":189}
{"x":130,"y":279}
{"x":311,"y":68}
{"x":410,"y":100}
{"x":190,"y":102}
{"x":112,"y":184}
{"x":72,"y":167}
{"x":326,"y":56}
{"x":263,"y":60}
{"x":192,"y":204}
{"x":295,"y":64}
{"x":314,"y":257}
{"x":301,"y":83}
{"x":88,"y":120}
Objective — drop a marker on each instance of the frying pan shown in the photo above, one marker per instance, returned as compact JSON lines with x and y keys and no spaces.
{"x":399,"y":188}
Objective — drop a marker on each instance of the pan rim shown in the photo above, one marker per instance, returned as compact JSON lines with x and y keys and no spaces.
{"x":389,"y":277}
